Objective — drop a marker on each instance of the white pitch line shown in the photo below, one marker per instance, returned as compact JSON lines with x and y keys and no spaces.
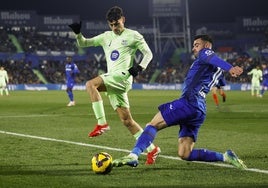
{"x":123,"y":150}
{"x":27,"y":116}
{"x":52,"y":115}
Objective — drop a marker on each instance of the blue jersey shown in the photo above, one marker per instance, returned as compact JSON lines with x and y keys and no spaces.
{"x":221,"y":82}
{"x":204,"y":73}
{"x":71,"y":70}
{"x":265,"y":77}
{"x":189,"y":111}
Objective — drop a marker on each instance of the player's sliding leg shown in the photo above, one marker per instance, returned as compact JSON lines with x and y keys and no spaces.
{"x":196,"y":155}
{"x":146,"y":138}
{"x":231,"y":158}
{"x":205,"y":155}
{"x":153,"y":151}
{"x":211,"y":156}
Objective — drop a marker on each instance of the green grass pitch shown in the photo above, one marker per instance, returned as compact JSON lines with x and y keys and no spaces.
{"x":45,"y":144}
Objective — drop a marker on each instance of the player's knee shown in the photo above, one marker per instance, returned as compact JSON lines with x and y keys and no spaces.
{"x":183,"y":155}
{"x":89,"y":84}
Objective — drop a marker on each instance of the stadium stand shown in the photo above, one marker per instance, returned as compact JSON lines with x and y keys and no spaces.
{"x":34,"y":57}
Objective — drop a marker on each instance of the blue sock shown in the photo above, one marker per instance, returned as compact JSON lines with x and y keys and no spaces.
{"x":262,"y":91}
{"x":205,"y":155}
{"x":144,"y":140}
{"x":70,"y":95}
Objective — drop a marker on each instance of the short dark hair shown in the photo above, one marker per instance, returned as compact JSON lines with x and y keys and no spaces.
{"x":204,"y":38}
{"x":114,"y":14}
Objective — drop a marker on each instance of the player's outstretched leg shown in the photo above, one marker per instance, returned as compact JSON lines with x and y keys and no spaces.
{"x":232,"y":158}
{"x":130,"y":160}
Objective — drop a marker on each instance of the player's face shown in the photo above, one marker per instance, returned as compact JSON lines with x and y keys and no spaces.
{"x":117,"y":26}
{"x":198,"y":45}
{"x":68,"y":60}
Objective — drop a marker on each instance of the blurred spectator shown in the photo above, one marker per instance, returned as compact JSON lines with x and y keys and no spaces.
{"x":32,"y":41}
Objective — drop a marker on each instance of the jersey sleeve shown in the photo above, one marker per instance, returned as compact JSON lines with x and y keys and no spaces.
{"x":87,"y":42}
{"x":250,"y":72}
{"x":6,"y":77}
{"x":209,"y":56}
{"x":144,"y":49}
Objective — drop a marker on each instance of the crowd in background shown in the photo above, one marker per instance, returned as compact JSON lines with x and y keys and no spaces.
{"x":22,"y":72}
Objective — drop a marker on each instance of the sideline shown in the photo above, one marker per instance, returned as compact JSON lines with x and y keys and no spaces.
{"x":121,"y":150}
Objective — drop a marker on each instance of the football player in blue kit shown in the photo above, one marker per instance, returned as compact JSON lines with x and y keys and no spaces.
{"x":71,"y":70}
{"x":264,"y":78}
{"x":189,"y":111}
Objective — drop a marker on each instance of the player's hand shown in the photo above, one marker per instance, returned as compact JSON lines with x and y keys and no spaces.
{"x":134,"y":71}
{"x":236,"y":71}
{"x":76,"y":27}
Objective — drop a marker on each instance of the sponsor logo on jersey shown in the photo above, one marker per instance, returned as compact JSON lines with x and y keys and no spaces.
{"x":114,"y":55}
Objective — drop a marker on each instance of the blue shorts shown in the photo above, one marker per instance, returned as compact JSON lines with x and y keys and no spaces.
{"x":264,"y":83}
{"x":181,"y":112}
{"x":70,"y":85}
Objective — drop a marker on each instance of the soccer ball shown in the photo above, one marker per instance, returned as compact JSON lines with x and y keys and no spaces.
{"x":102,"y":163}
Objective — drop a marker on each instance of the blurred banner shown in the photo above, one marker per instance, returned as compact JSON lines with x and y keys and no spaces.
{"x":158,"y":8}
{"x":18,"y":18}
{"x":56,"y":23}
{"x":167,"y":8}
{"x":252,"y":24}
{"x":136,"y":86}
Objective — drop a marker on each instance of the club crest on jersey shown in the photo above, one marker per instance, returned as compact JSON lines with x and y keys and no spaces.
{"x":209,"y":52}
{"x":114,"y":55}
{"x":124,"y":42}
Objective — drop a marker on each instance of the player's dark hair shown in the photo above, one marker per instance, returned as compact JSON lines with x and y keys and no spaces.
{"x":204,"y":38}
{"x":114,"y":14}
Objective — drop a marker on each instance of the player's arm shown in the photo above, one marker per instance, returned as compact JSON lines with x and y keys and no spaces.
{"x":6,"y":77}
{"x":210,"y":57}
{"x":249,"y":73}
{"x":147,"y":55}
{"x":81,"y":40}
{"x":84,"y":42}
{"x":236,"y":71}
